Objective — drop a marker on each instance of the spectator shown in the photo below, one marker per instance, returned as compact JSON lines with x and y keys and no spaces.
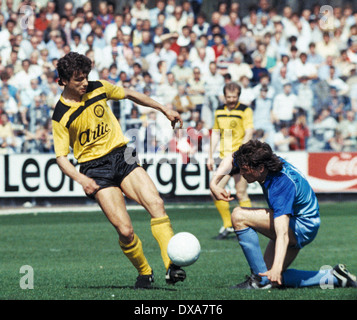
{"x":167,"y":54}
{"x":326,"y":47}
{"x":183,"y":104}
{"x":247,"y":95}
{"x":41,"y":22}
{"x":27,"y":95}
{"x":104,"y":18}
{"x":262,"y":115}
{"x":305,"y":99}
{"x":238,"y":68}
{"x":300,"y":131}
{"x":11,"y":89}
{"x":196,"y":89}
{"x":167,"y":91}
{"x":202,"y":61}
{"x":324,"y":129}
{"x":284,"y":107}
{"x":177,"y":21}
{"x":77,"y":45}
{"x":199,"y":136}
{"x":313,"y":57}
{"x":347,"y":128}
{"x":201,"y":26}
{"x":258,"y":70}
{"x":282,"y":139}
{"x":139,"y":11}
{"x":146,"y":44}
{"x":233,"y":27}
{"x":7,"y":136}
{"x":214,"y":83}
{"x":264,"y":82}
{"x":279,"y":78}
{"x":304,"y":68}
{"x":154,"y":12}
{"x":181,"y":72}
{"x":23,"y":77}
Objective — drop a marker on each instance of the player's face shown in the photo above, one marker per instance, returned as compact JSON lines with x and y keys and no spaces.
{"x":232,"y":98}
{"x":78,"y":84}
{"x":253,"y":174}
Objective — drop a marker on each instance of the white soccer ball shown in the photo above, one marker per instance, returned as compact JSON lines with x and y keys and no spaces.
{"x":183,"y":249}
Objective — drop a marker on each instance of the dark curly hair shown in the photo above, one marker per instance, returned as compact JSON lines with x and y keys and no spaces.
{"x":71,"y":64}
{"x":255,"y":153}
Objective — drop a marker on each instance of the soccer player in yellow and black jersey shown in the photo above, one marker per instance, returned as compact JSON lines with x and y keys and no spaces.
{"x":233,"y":126}
{"x":83,"y":121}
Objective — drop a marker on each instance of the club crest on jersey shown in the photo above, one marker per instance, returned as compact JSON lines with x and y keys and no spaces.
{"x":233,"y":124}
{"x":99,"y":111}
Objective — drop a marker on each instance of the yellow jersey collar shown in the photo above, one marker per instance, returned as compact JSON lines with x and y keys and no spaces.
{"x":235,"y":108}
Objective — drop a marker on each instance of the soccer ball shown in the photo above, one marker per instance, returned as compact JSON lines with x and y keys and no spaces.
{"x":183,"y":249}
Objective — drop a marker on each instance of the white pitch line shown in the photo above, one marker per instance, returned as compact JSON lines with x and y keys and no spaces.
{"x":88,"y":208}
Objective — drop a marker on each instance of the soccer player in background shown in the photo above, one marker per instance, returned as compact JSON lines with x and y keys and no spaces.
{"x":233,"y":126}
{"x":83,"y":121}
{"x":291,"y":222}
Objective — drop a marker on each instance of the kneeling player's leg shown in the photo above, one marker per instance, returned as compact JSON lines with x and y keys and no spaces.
{"x":111,"y":201}
{"x":245,"y":222}
{"x":139,"y":187}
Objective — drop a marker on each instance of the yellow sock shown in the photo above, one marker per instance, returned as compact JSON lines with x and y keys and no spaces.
{"x":134,"y":252}
{"x":245,"y":203}
{"x":223,"y":209}
{"x":162,"y":231}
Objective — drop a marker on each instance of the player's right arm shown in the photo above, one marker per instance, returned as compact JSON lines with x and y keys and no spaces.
{"x":61,"y":144}
{"x":88,"y":184}
{"x":223,"y":170}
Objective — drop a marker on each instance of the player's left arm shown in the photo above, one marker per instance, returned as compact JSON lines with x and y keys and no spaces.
{"x":146,"y":101}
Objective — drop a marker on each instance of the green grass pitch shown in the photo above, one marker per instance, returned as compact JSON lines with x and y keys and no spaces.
{"x":76,"y":256}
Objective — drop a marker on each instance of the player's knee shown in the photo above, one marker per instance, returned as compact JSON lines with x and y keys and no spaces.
{"x":238,"y":218}
{"x":126,"y":234}
{"x":155,"y":204}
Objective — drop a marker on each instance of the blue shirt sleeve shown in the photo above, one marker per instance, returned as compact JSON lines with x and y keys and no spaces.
{"x":282,"y":196}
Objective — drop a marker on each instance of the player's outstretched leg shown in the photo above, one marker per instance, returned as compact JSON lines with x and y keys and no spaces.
{"x":344,"y":277}
{"x":175,"y":274}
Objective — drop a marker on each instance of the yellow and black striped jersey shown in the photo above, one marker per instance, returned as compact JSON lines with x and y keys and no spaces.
{"x":232,"y":125}
{"x":89,"y":127}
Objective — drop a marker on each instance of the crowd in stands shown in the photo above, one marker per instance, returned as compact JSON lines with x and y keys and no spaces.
{"x":297,"y":72}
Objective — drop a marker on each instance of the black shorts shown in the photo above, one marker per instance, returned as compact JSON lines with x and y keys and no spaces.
{"x":111,"y":169}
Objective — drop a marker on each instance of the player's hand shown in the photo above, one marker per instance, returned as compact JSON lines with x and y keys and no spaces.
{"x":221,"y":194}
{"x":273,"y":276}
{"x":174,"y":117}
{"x":210,"y":164}
{"x":90,"y":186}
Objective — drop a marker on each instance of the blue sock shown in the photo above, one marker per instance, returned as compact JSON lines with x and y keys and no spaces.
{"x":249,"y":241}
{"x":301,"y":278}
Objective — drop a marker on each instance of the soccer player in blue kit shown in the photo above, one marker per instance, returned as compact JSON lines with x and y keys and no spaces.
{"x":291,"y":222}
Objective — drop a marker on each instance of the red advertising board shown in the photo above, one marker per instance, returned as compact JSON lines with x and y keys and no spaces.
{"x":333,"y":172}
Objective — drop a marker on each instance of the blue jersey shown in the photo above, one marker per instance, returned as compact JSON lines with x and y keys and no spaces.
{"x":288,"y":192}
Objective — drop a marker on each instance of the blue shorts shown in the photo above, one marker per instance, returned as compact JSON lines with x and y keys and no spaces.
{"x":305,"y":229}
